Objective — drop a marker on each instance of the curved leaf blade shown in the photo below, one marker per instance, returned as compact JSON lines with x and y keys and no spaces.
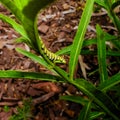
{"x":95,"y":115}
{"x":41,"y":61}
{"x":35,"y":58}
{"x":101,"y":46}
{"x":13,"y":8}
{"x":21,"y":3}
{"x":76,"y":99}
{"x":28,"y":75}
{"x":14,"y":24}
{"x":34,"y":6}
{"x":78,"y":40}
{"x":114,"y":80}
{"x":29,"y":19}
{"x":98,"y":97}
{"x":85,"y":112}
{"x":102,"y":3}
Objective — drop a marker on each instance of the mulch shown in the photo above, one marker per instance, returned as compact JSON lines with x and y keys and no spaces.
{"x":57,"y":26}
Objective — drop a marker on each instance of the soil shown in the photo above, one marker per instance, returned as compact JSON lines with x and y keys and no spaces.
{"x":57,"y":26}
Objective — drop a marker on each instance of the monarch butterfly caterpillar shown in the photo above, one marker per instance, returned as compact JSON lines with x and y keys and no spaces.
{"x":53,"y":57}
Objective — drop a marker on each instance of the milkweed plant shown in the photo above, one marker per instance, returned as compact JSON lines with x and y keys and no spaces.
{"x":98,"y":104}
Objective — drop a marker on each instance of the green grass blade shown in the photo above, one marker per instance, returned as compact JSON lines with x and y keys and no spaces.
{"x":83,"y":101}
{"x":116,"y":44}
{"x":13,"y":8}
{"x":21,"y":3}
{"x":115,"y":4}
{"x":34,"y":57}
{"x":88,"y":42}
{"x":76,"y":99}
{"x":29,"y":20}
{"x":108,"y":53}
{"x":108,"y":6}
{"x":113,"y":53}
{"x":102,"y":3}
{"x":21,"y":40}
{"x":85,"y":112}
{"x":101,"y":54}
{"x":113,"y":15}
{"x":26,"y":12}
{"x":14,"y":24}
{"x":67,"y":49}
{"x":28,"y":75}
{"x":78,"y":40}
{"x":114,"y":80}
{"x":34,"y":6}
{"x":41,"y":61}
{"x":98,"y":97}
{"x":95,"y":115}
{"x":64,"y":51}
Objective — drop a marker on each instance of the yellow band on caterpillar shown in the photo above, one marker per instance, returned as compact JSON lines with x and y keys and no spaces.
{"x":53,"y":57}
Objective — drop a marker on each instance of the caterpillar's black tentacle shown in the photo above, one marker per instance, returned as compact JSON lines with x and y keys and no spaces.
{"x":53,"y":57}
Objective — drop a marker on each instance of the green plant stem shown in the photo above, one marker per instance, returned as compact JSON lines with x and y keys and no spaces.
{"x":79,"y":37}
{"x":112,"y":15}
{"x":61,"y":72}
{"x":97,"y":95}
{"x":12,"y":7}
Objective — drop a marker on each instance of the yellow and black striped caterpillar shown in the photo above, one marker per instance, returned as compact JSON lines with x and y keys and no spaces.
{"x":53,"y":57}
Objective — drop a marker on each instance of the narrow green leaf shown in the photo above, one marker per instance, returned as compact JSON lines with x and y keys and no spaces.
{"x":108,"y":53}
{"x":64,"y":51}
{"x":29,"y":20}
{"x":62,"y":73}
{"x":98,"y":97}
{"x":116,"y":43}
{"x":26,"y":13}
{"x":21,"y":40}
{"x":14,"y":24}
{"x":113,"y":53}
{"x":102,"y":3}
{"x":88,"y":42}
{"x":95,"y":115}
{"x":13,"y":8}
{"x":101,"y":54}
{"x":36,"y":6}
{"x":28,"y":75}
{"x":113,"y":15}
{"x":83,"y":101}
{"x":114,"y":80}
{"x":67,"y":49}
{"x":107,"y":4}
{"x":76,"y":99}
{"x":115,"y":4}
{"x":85,"y":112}
{"x":35,"y":58}
{"x":78,"y":40}
{"x":41,"y":61}
{"x":21,"y":3}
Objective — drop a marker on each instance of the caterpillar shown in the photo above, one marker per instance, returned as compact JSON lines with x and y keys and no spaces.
{"x":53,"y":57}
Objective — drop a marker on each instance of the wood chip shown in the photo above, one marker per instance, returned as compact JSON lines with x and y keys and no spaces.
{"x":43,"y":28}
